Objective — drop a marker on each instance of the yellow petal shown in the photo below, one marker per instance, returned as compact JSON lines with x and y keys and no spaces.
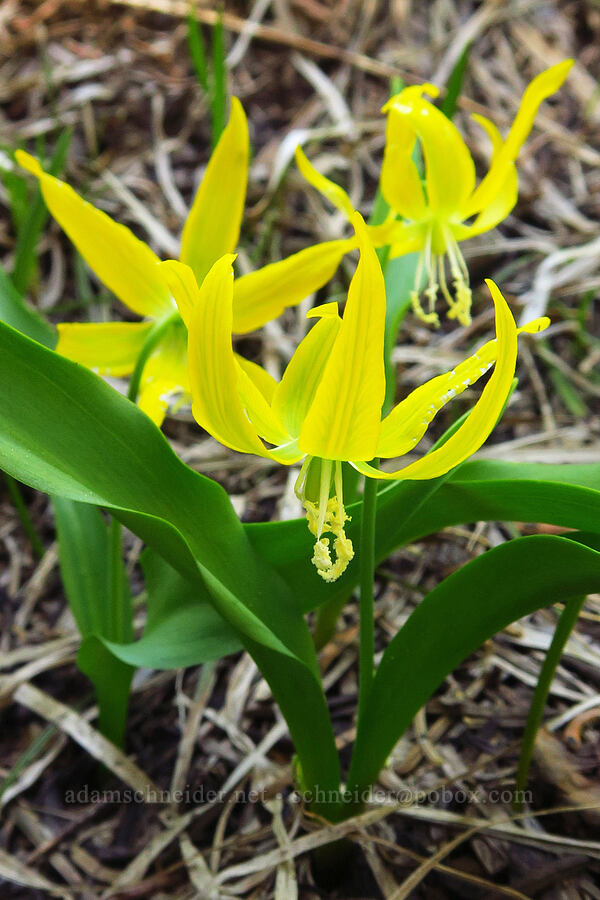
{"x":484,"y":415}
{"x":496,"y":210}
{"x":344,"y":419}
{"x":108,"y":348}
{"x":258,"y":409}
{"x":214,"y":373}
{"x":503,"y":200}
{"x":404,"y":427}
{"x":213,"y":225}
{"x":336,"y":195}
{"x":183,"y":286}
{"x":165,"y":381}
{"x":296,"y":390}
{"x":263,"y":295}
{"x":265,"y":382}
{"x":541,"y":87}
{"x":450,"y":171}
{"x":126,"y":265}
{"x":408,"y":239}
{"x":400,"y":180}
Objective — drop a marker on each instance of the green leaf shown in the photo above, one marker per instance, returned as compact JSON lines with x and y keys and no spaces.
{"x":455,"y":82}
{"x":182,"y":628}
{"x":16,"y":312}
{"x":565,"y":495}
{"x":400,"y":274}
{"x":64,"y":431}
{"x":466,"y":609}
{"x":112,"y":682}
{"x":562,"y":633}
{"x":89,"y":568}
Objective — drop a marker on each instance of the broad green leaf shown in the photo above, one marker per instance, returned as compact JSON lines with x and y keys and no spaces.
{"x":64,"y":431}
{"x":565,"y":495}
{"x":182,"y":627}
{"x":400,"y":274}
{"x":16,"y":312}
{"x":465,"y":610}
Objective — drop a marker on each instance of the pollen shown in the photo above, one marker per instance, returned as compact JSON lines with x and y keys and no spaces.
{"x":326,"y":514}
{"x":431,"y":270}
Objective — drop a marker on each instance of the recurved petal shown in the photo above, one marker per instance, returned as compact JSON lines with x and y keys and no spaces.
{"x":261,"y":296}
{"x":108,"y":348}
{"x":450,"y":171}
{"x":296,"y":390}
{"x":501,"y":202}
{"x":126,"y":265}
{"x":506,"y":189}
{"x":165,"y":381}
{"x":344,"y":419}
{"x":336,"y":195}
{"x":213,"y":370}
{"x":404,"y":427}
{"x":541,"y":87}
{"x":482,"y":419}
{"x":212,"y":227}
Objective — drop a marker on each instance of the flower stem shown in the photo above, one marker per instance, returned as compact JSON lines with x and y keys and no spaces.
{"x":152,"y":340}
{"x":367,"y":567}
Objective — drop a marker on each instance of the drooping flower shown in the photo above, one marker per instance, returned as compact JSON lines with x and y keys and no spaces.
{"x":447,"y":206}
{"x":327,"y":407}
{"x":131,"y":270}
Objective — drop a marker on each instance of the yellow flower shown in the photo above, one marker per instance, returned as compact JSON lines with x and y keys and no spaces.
{"x":130,"y":269}
{"x":327,"y":407}
{"x":437,"y":212}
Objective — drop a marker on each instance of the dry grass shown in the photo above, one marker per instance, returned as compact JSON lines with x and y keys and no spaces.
{"x":119,"y":74}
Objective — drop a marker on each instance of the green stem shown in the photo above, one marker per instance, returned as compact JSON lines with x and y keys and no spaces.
{"x":116,"y":625}
{"x":367,"y":568}
{"x":23,"y":514}
{"x":154,"y":337}
{"x":326,"y":618}
{"x":564,"y":627}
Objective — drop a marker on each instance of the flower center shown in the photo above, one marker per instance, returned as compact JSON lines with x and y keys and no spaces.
{"x":431,"y":268}
{"x":325,"y":513}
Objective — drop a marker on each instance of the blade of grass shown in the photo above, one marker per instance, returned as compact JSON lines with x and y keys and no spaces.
{"x":197,"y":50}
{"x":23,"y":514}
{"x":455,"y":82}
{"x":564,"y":627}
{"x":35,"y":220}
{"x":219,"y":85}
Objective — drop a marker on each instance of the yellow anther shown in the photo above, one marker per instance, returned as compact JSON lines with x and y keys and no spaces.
{"x":326,"y":514}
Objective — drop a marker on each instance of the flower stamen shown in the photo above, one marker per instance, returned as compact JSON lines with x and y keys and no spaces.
{"x":326,"y":514}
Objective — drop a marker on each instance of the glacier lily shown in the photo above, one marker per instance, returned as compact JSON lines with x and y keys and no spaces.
{"x":327,"y":407}
{"x":437,"y":210}
{"x":131,"y":270}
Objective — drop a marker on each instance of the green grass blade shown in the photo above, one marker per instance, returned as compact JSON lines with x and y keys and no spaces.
{"x":455,"y":83}
{"x":197,"y":50}
{"x":565,"y":625}
{"x":219,"y":81}
{"x":35,"y":220}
